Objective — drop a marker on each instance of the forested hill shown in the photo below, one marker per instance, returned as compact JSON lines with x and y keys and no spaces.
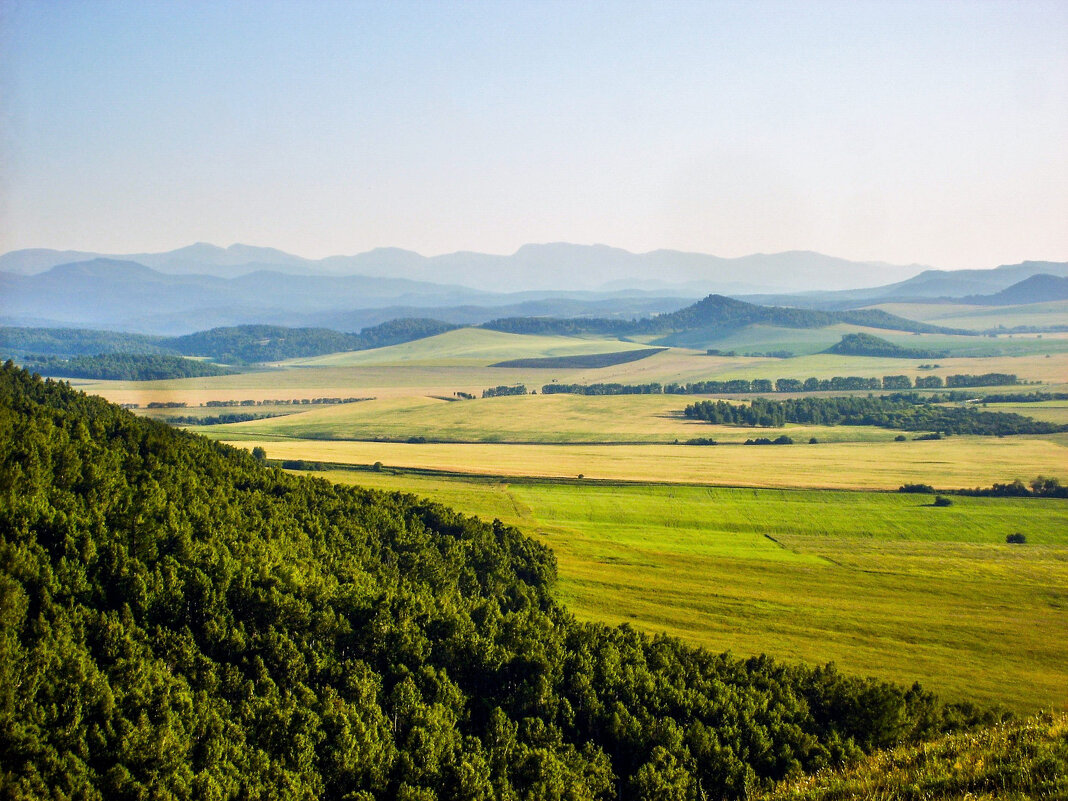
{"x":179,"y":621}
{"x":714,"y":313}
{"x":241,"y":344}
{"x":268,"y":343}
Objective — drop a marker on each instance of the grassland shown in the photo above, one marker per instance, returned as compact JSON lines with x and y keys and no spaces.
{"x":953,"y":462}
{"x":882,"y":583}
{"x":544,"y":419}
{"x":471,"y":346}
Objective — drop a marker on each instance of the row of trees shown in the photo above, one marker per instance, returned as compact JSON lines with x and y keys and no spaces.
{"x":652,"y":388}
{"x":742,"y":386}
{"x":1040,"y":487}
{"x":904,"y":412}
{"x":504,"y":390}
{"x":181,"y":621}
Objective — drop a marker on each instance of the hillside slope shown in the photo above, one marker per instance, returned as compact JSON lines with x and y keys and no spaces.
{"x":178,"y":621}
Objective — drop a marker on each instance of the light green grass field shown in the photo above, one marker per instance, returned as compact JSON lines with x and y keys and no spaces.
{"x":470,"y":346}
{"x":559,"y":418}
{"x":884,"y":584}
{"x":954,"y":462}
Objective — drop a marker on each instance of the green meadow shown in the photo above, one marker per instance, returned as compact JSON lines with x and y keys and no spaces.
{"x":883,"y":584}
{"x":471,"y":346}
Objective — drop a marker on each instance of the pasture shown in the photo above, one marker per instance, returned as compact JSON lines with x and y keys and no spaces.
{"x":884,"y":584}
{"x":955,"y":462}
{"x":538,"y":419}
{"x":471,"y":346}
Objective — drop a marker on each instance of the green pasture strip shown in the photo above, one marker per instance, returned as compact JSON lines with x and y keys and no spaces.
{"x":471,"y":346}
{"x":548,"y":419}
{"x":882,"y":583}
{"x":953,"y":462}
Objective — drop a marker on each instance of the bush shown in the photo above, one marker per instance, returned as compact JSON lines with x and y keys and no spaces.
{"x":259,"y":454}
{"x":942,"y":500}
{"x":900,"y":438}
{"x":813,"y":441}
{"x":1016,"y":539}
{"x":922,"y":488}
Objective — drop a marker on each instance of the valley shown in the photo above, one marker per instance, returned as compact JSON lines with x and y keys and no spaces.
{"x":804,"y":551}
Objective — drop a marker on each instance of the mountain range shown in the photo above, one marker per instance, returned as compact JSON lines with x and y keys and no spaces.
{"x":541,"y":267}
{"x":203,"y":286}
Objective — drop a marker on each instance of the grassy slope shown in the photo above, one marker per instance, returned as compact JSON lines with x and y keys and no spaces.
{"x":1019,"y":760}
{"x":471,"y":346}
{"x":879,"y":582}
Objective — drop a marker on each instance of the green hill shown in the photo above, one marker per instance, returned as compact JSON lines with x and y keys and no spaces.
{"x":715,"y":313}
{"x":179,"y":621}
{"x":124,"y":367}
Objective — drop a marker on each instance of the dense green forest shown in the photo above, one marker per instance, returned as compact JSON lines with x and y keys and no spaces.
{"x":179,"y":621}
{"x":868,"y":345}
{"x":17,"y":342}
{"x":907,"y":412}
{"x":242,"y":344}
{"x":716,"y":313}
{"x":124,"y":367}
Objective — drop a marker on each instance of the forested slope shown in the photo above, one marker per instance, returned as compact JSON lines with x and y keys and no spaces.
{"x":178,"y":621}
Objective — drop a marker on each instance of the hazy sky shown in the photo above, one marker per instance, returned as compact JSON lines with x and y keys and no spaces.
{"x":932,"y":132}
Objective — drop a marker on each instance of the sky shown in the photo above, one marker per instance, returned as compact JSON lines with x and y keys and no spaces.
{"x":930,"y":133}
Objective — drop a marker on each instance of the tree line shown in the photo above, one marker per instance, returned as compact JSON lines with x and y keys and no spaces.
{"x":1040,"y":487}
{"x":739,"y":386}
{"x":180,"y":621}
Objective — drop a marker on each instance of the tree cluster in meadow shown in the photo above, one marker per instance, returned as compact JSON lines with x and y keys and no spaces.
{"x":504,"y":390}
{"x":902,"y":411}
{"x":178,"y":620}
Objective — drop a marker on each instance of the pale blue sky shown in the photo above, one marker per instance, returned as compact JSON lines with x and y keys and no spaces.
{"x":931,"y":132}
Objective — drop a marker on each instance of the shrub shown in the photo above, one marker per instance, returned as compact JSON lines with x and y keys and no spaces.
{"x":1016,"y":539}
{"x":942,"y":500}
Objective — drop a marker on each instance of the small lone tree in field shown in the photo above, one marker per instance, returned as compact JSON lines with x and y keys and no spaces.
{"x":1016,"y":539}
{"x":259,"y":454}
{"x":942,"y":500}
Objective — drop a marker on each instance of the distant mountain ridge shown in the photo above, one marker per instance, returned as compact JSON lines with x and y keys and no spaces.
{"x":1039,"y":288}
{"x":532,"y":267}
{"x":953,"y":286}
